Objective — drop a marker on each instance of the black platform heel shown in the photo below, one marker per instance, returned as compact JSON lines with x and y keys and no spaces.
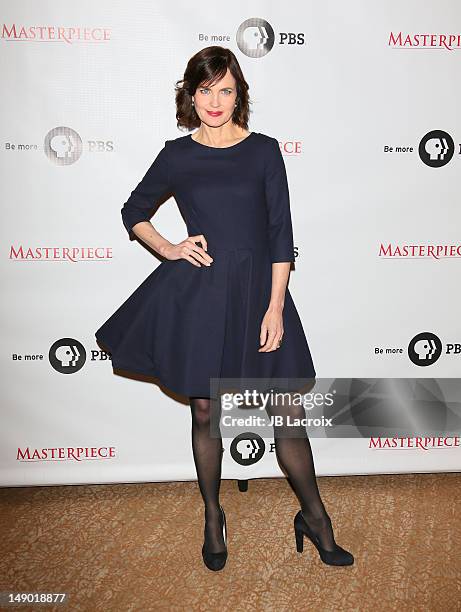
{"x":216,"y":561}
{"x":338,"y":556}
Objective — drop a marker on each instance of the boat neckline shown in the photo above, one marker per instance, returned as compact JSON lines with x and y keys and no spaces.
{"x":222,"y":148}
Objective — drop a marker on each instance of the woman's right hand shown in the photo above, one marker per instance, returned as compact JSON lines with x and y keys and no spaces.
{"x":187,"y":249}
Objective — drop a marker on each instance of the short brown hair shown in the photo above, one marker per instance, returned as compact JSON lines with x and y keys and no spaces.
{"x":204,"y":68}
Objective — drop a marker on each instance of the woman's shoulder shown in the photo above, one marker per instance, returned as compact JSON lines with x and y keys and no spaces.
{"x":177,"y":143}
{"x":266,"y":138}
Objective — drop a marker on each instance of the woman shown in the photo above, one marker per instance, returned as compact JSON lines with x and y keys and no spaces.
{"x":219,"y":306}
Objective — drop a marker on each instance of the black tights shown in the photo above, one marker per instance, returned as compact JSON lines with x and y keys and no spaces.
{"x":295,"y":458}
{"x":207,"y":452}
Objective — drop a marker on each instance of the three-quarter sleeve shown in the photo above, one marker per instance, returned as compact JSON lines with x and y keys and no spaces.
{"x":278,"y":205}
{"x":147,"y":194}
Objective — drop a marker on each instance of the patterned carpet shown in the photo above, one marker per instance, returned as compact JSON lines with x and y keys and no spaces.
{"x":137,"y":546}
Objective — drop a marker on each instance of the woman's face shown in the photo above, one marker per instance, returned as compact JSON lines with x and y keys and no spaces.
{"x":215,"y":104}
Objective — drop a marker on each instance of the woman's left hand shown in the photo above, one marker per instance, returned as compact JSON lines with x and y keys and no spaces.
{"x":271,"y":331}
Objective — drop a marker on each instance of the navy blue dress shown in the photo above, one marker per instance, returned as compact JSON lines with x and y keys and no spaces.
{"x":186,"y":324}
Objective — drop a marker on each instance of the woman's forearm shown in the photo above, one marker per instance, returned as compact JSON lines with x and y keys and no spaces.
{"x":146,"y":232}
{"x":280,"y":275}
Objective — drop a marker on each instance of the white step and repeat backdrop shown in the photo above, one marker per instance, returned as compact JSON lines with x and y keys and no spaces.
{"x":364,"y":100}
